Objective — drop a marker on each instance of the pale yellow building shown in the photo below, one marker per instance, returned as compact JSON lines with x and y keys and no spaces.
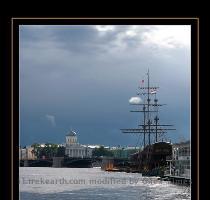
{"x":74,"y":149}
{"x":26,"y":153}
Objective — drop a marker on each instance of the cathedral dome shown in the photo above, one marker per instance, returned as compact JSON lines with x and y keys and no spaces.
{"x":71,"y":133}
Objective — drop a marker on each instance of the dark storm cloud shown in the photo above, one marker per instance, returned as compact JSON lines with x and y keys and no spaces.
{"x":85,"y":76}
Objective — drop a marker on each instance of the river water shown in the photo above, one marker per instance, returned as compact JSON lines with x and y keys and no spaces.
{"x":45,"y":183}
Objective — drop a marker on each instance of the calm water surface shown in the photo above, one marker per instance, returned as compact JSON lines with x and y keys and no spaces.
{"x":44,"y":183}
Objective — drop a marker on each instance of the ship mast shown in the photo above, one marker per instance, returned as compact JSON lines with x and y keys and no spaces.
{"x":149,"y":126}
{"x":148,"y":105}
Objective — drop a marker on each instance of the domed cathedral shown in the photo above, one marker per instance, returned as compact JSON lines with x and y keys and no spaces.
{"x":71,"y":138}
{"x":74,"y":149}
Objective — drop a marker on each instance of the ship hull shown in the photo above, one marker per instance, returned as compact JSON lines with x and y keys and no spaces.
{"x":153,"y":159}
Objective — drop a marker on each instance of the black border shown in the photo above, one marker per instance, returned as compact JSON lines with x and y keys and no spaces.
{"x":13,"y":23}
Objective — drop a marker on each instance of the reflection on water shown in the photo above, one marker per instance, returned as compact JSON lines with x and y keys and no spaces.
{"x":91,"y":183}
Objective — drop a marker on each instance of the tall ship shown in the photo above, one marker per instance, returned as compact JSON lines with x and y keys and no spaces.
{"x":151,"y":159}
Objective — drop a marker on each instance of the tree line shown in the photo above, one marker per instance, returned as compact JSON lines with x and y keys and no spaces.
{"x":48,"y":151}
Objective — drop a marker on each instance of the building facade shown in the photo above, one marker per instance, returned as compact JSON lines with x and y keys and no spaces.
{"x":26,"y":153}
{"x":75,"y":150}
{"x":181,"y":159}
{"x":179,"y":164}
{"x":123,"y":152}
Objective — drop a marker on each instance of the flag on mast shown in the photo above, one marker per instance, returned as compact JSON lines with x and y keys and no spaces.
{"x":153,"y":91}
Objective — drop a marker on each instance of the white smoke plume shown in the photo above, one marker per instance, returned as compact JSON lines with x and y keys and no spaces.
{"x":135,"y":100}
{"x":51,"y":119}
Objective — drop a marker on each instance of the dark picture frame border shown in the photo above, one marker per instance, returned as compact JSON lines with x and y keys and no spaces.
{"x":13,"y":138}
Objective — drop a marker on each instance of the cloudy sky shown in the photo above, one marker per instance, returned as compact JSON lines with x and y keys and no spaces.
{"x":82,"y":77}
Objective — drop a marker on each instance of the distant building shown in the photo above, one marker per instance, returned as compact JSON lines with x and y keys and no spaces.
{"x":26,"y":153}
{"x":74,"y":149}
{"x":123,"y":152}
{"x":181,"y":159}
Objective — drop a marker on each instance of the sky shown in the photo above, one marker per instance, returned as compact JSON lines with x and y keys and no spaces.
{"x":82,"y":77}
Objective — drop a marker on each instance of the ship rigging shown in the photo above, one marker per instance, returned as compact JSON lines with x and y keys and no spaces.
{"x":153,"y":158}
{"x":150,"y":108}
